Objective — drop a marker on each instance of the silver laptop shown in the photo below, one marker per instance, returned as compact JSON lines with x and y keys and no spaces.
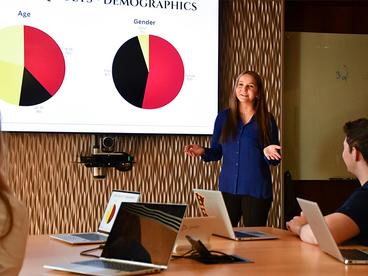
{"x":324,"y":237}
{"x":211,"y":203}
{"x":198,"y":228}
{"x":100,"y":236}
{"x":141,"y":241}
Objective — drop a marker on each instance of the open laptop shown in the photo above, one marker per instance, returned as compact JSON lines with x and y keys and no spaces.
{"x":211,"y":203}
{"x":141,"y":241}
{"x":322,"y":233}
{"x":198,"y":228}
{"x":107,"y":221}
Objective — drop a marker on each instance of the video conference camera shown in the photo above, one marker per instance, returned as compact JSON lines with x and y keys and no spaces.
{"x":122,"y":161}
{"x":103,"y":157}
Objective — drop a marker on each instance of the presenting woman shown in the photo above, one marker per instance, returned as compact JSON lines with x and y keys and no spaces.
{"x":245,"y":137}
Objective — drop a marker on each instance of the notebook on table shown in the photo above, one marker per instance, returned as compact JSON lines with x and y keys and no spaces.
{"x":211,"y":203}
{"x":323,"y":235}
{"x":108,"y":218}
{"x":199,"y":228}
{"x":140,"y":242}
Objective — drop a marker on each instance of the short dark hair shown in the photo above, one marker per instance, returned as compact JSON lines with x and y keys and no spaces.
{"x":357,"y":136}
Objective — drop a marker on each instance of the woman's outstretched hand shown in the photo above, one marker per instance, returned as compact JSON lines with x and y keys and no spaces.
{"x":272,"y":152}
{"x":194,"y":150}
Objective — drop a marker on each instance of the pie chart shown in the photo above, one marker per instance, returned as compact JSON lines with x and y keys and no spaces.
{"x":32,"y":66}
{"x":148,"y":71}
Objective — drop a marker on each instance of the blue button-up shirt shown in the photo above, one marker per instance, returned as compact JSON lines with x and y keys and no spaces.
{"x":245,"y":170}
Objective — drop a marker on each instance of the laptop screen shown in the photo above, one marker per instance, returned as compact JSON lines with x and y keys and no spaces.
{"x":116,"y":198}
{"x":144,"y":232}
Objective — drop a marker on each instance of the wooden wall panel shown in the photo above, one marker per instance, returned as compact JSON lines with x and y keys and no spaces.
{"x":62,"y":195}
{"x":327,"y":16}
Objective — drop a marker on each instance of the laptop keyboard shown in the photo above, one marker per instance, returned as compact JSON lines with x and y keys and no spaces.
{"x":240,"y":234}
{"x":113,"y":265}
{"x":353,"y":254}
{"x":90,"y":236}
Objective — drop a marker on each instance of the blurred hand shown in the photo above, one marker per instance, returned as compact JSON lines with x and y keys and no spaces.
{"x":194,"y":150}
{"x":296,"y":224}
{"x":272,"y":152}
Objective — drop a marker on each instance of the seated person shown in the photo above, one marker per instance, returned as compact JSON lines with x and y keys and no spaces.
{"x":351,"y":219}
{"x":13,"y":231}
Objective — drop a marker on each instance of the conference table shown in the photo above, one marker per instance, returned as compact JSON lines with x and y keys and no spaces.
{"x":286,"y":255}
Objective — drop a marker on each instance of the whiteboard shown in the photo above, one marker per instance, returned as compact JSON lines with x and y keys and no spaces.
{"x":326,"y":84}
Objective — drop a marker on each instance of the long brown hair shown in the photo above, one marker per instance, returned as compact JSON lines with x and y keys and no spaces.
{"x":261,"y":112}
{"x":4,"y":189}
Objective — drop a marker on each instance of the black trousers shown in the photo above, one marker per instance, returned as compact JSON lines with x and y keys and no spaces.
{"x":254,"y":210}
